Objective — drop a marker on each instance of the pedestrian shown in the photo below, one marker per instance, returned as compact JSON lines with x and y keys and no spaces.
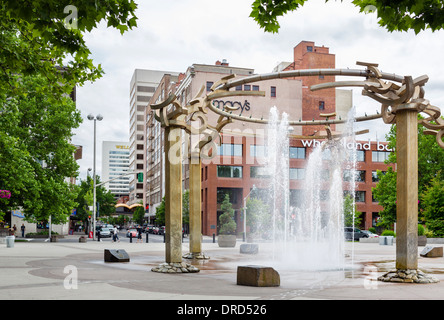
{"x":139,"y":234}
{"x":115,"y":236}
{"x":23,"y":230}
{"x":15,"y":229}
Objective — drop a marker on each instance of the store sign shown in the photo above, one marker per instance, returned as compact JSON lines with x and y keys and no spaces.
{"x":232,"y":105}
{"x":349,"y":145}
{"x":122,"y":147}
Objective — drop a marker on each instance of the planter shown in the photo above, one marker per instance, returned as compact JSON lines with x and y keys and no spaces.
{"x":226,"y":240}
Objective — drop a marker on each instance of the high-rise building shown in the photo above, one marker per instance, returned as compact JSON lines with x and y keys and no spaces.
{"x":142,"y":86}
{"x":115,"y":162}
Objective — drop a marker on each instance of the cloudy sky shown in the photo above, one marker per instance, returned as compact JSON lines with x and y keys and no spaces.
{"x":173,"y":34}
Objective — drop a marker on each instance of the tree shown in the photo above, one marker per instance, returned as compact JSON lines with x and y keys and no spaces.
{"x":104,"y":198}
{"x":160,"y":213}
{"x":36,"y":114}
{"x":258,"y":217}
{"x":433,"y":203}
{"x":35,"y":129}
{"x":430,"y":162}
{"x":226,"y":219}
{"x":402,"y":15}
{"x":35,"y":37}
{"x":139,"y":214}
{"x":348,"y":212}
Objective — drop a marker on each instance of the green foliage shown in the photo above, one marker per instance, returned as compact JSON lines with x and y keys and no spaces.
{"x":433,"y":203}
{"x":160,"y":213}
{"x":226,"y":219}
{"x":386,"y":233}
{"x":35,"y":129}
{"x":85,"y":198}
{"x":385,"y":194}
{"x":430,"y":163}
{"x":348,"y":213}
{"x":139,"y":214}
{"x":258,"y":216}
{"x":402,"y":15}
{"x":37,"y":115}
{"x":421,"y":230}
{"x":34,"y":38}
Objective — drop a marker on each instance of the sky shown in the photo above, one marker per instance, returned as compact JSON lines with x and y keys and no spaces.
{"x":173,"y":34}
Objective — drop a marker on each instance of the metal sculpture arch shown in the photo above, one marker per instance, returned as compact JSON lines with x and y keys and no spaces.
{"x":401,"y":98}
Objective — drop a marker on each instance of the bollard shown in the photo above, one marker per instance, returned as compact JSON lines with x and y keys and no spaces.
{"x":131,"y":237}
{"x":214,"y":238}
{"x":147,"y":240}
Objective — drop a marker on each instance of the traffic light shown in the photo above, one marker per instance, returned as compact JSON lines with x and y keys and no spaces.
{"x":140,"y":177}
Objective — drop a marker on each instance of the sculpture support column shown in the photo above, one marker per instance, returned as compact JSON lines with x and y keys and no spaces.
{"x":173,"y":195}
{"x":407,"y":188}
{"x":195,"y":206}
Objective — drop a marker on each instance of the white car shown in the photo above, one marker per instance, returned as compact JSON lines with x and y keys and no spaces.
{"x":370,"y":234}
{"x":105,"y":233}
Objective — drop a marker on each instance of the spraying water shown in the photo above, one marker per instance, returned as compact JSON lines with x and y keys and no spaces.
{"x":310,"y":235}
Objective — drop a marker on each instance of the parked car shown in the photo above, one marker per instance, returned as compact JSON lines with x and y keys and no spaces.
{"x":105,"y":233}
{"x":132,"y":232}
{"x":161,"y":230}
{"x":354,"y":234}
{"x":370,"y":234}
{"x":155,"y":230}
{"x":149,"y":228}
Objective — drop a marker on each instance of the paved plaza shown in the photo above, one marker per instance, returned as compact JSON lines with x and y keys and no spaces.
{"x":68,"y":270}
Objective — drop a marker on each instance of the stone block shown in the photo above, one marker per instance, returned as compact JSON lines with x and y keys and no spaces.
{"x":116,"y":255}
{"x":432,"y":252}
{"x":82,"y":239}
{"x":257,"y":276}
{"x":249,"y":248}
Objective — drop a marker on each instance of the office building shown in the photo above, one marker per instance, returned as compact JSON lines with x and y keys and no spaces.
{"x":115,"y":163}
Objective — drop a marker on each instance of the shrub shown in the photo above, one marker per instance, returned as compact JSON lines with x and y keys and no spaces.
{"x":386,"y":233}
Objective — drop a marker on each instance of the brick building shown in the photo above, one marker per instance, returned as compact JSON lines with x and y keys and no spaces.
{"x":238,"y":165}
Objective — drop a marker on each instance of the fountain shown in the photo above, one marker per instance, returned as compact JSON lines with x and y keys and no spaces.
{"x":309,"y":236}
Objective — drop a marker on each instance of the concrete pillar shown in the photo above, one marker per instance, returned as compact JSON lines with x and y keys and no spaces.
{"x":173,"y":195}
{"x":407,"y":188}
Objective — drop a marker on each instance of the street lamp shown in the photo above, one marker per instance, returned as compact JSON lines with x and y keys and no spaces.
{"x":99,"y":118}
{"x":245,"y":213}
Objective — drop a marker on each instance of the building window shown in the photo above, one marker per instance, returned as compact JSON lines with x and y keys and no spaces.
{"x":232,"y":193}
{"x":321,"y":77}
{"x":360,"y":196}
{"x":375,"y":176}
{"x":255,"y":88}
{"x":258,"y":151}
{"x":247,"y":87}
{"x":297,"y":174}
{"x":209,"y":85}
{"x":259,"y":172}
{"x":229,"y":171}
{"x":321,"y":105}
{"x":297,"y":153}
{"x":359,"y":175}
{"x":380,"y":156}
{"x":309,"y":48}
{"x":273,"y":91}
{"x":227,"y":149}
{"x":239,"y":88}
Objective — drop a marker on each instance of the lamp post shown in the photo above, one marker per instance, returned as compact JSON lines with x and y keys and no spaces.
{"x":100,"y":118}
{"x":245,"y":213}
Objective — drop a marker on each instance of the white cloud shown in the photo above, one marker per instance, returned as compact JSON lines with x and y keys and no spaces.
{"x":173,"y":34}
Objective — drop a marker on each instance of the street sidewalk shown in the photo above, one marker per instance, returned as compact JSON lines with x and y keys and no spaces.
{"x":71,"y":270}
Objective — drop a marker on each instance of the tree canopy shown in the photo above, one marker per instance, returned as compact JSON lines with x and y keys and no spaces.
{"x":401,"y":15}
{"x":43,"y":57}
